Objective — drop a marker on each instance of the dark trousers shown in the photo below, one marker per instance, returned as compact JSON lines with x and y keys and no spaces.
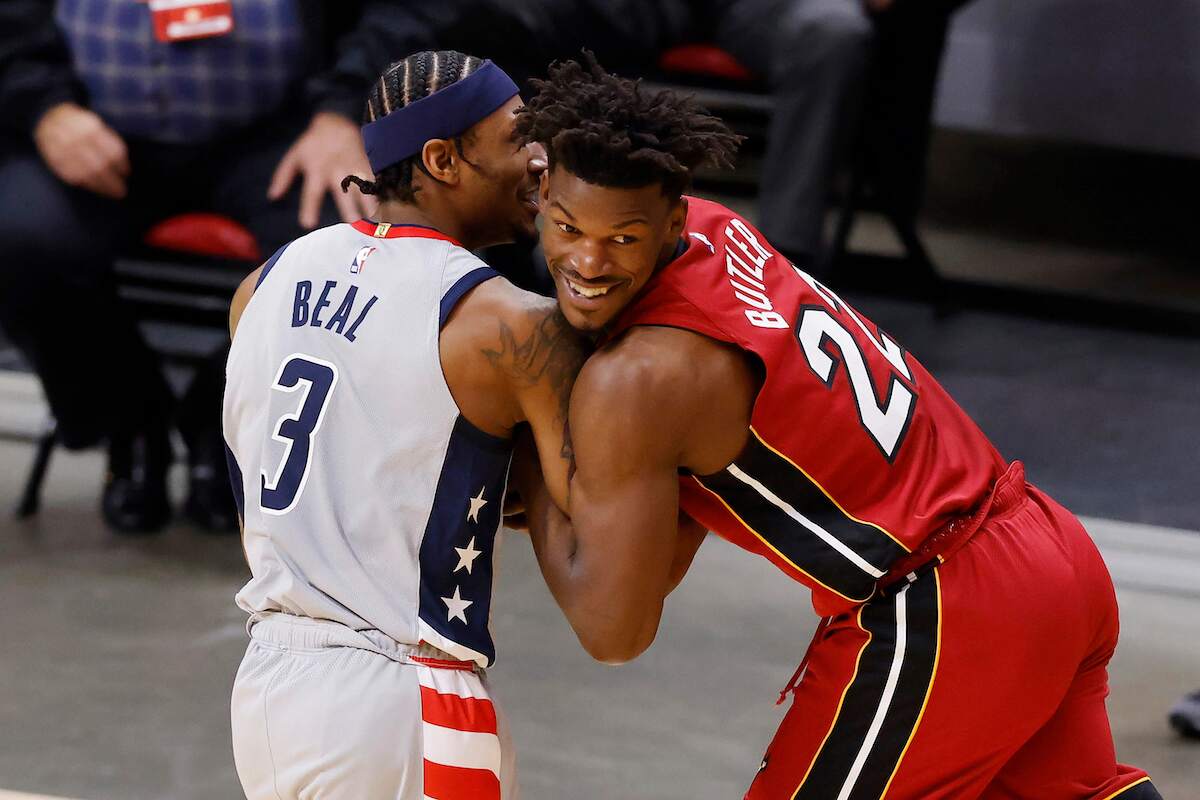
{"x":842,"y":81}
{"x":846,"y":85}
{"x":814,"y":56}
{"x":58,"y":302}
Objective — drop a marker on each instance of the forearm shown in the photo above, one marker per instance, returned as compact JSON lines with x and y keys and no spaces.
{"x":552,"y":536}
{"x":690,"y":537}
{"x":598,"y":600}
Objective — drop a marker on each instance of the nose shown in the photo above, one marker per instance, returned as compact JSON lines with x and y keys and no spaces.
{"x":588,"y":260}
{"x":538,"y":160}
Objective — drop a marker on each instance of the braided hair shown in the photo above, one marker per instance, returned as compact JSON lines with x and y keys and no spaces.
{"x":606,"y":130}
{"x":404,"y":82}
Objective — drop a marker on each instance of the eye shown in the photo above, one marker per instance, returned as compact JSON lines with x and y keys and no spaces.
{"x":624,"y":239}
{"x":566,"y":228}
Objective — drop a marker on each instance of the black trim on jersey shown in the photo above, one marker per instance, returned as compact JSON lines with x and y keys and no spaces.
{"x":463,"y":285}
{"x":1142,"y":790}
{"x":235,"y":480}
{"x":267,"y":267}
{"x":862,"y":702}
{"x":805,"y":549}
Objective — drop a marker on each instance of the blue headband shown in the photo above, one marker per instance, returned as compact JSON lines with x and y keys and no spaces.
{"x":444,"y":114}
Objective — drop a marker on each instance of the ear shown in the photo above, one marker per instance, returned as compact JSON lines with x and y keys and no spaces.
{"x":441,"y":160}
{"x":544,"y":188}
{"x":678,"y":218}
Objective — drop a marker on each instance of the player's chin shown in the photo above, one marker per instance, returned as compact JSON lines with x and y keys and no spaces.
{"x":586,"y":313}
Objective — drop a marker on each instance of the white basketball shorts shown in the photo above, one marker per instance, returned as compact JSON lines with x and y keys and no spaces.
{"x":325,"y":712}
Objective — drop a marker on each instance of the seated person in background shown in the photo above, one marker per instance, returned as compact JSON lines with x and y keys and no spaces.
{"x":968,"y":618}
{"x":818,"y":59}
{"x":110,"y":121}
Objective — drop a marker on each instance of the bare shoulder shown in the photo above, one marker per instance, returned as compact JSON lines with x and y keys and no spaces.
{"x":668,"y":392}
{"x":662,"y":364}
{"x":240,"y":298}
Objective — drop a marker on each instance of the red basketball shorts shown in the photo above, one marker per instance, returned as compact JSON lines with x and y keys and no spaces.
{"x":984,"y":677}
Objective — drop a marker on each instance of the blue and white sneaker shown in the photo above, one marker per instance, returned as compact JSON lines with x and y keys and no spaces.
{"x":1185,"y":715}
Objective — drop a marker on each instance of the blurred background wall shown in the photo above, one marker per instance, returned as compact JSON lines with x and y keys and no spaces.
{"x":1121,"y":73}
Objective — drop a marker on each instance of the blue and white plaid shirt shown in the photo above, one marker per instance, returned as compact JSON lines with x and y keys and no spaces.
{"x":184,"y":92}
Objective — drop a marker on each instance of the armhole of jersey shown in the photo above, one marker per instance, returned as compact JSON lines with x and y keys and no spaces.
{"x":461,"y":286}
{"x":680,"y":312}
{"x":262,"y":276}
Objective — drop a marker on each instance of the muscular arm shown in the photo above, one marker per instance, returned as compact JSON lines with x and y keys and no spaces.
{"x":540,"y":358}
{"x":660,"y":400}
{"x":510,"y":357}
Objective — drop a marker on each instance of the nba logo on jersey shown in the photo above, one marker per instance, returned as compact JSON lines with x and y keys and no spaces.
{"x":360,"y":258}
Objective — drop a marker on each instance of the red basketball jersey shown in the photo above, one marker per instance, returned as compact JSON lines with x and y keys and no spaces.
{"x":856,"y":454}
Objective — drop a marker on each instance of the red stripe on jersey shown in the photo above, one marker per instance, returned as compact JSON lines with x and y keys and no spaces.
{"x":442,"y":663}
{"x":469,"y":714}
{"x":384,"y":230}
{"x":460,"y":783}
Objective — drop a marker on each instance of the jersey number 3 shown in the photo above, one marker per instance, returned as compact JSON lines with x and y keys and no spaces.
{"x":886,"y":421}
{"x":296,"y":430}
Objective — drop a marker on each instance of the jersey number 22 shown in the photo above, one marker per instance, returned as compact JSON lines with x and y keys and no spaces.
{"x":886,"y":420}
{"x":296,"y":430}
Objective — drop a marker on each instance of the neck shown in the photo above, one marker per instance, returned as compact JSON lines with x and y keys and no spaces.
{"x":431,"y":215}
{"x":668,"y":253}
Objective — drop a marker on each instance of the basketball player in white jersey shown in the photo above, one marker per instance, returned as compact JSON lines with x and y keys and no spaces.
{"x":376,"y":374}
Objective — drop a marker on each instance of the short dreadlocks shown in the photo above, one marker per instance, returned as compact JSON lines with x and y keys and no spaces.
{"x":606,"y":130}
{"x":404,"y":82}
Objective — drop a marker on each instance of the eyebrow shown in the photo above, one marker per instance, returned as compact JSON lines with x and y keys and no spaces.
{"x":634,"y":221}
{"x":562,"y":208}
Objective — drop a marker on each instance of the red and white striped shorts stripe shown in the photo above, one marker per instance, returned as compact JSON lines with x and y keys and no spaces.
{"x":464,"y":749}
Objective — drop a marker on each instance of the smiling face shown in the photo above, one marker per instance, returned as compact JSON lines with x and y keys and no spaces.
{"x":603,"y":243}
{"x":500,"y":178}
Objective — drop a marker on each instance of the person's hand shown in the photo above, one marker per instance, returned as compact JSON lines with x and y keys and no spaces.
{"x":81,"y":150}
{"x":328,"y":151}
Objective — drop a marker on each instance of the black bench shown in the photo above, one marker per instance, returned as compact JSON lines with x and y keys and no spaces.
{"x":179,"y":284}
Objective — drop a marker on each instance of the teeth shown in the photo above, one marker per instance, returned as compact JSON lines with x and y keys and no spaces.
{"x":587,"y":291}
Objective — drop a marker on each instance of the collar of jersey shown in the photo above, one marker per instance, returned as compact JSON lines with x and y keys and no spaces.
{"x":403,"y":231}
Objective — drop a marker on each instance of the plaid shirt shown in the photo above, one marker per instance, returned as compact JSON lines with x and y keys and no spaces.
{"x":183,"y":92}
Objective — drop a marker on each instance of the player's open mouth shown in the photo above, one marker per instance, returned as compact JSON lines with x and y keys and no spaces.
{"x":585,"y":296}
{"x":588,"y":291}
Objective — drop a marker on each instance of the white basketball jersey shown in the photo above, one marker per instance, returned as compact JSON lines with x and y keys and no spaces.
{"x":367,"y":498}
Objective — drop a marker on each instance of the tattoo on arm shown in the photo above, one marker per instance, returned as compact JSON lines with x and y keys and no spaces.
{"x":551,"y":355}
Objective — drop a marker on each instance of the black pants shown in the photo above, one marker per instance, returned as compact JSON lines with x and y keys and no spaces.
{"x":58,"y":303}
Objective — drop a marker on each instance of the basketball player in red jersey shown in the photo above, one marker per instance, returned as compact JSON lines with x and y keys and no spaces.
{"x":967,"y":618}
